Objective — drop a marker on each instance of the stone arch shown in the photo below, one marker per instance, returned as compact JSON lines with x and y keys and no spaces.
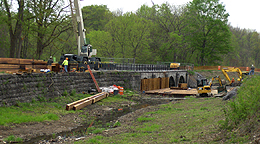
{"x":181,"y":80}
{"x":171,"y":82}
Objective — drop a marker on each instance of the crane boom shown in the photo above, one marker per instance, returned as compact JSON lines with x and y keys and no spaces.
{"x":81,"y":30}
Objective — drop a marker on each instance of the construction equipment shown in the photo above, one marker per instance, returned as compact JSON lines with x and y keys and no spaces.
{"x":174,"y":66}
{"x":233,"y":69}
{"x":204,"y":89}
{"x":221,"y":87}
{"x":85,"y":50}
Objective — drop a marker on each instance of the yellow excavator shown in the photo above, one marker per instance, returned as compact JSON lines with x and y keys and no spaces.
{"x":233,"y":69}
{"x":204,"y":89}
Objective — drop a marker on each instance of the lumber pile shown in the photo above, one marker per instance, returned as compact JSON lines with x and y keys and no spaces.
{"x":86,"y":101}
{"x":15,"y":64}
{"x":170,"y":91}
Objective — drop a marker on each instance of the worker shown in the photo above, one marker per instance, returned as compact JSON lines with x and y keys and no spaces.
{"x":252,"y":70}
{"x":50,"y":61}
{"x":233,"y":82}
{"x":65,"y":63}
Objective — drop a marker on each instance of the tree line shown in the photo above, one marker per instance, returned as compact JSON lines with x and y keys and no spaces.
{"x":197,"y":32}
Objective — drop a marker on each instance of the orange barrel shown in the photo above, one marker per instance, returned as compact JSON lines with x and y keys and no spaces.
{"x":218,"y":67}
{"x":121,"y":90}
{"x":247,"y":68}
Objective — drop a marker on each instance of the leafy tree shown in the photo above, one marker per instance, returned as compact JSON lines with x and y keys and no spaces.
{"x":208,"y":30}
{"x":130,"y":34}
{"x":167,"y":41}
{"x":102,"y":41}
{"x":95,"y":17}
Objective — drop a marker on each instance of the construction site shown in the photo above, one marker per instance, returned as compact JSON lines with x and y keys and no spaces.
{"x":134,"y":97}
{"x":24,"y":81}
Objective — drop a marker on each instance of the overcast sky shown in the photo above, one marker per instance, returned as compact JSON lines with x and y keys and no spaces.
{"x":243,"y":13}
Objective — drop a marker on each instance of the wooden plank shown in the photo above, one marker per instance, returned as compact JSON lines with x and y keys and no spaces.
{"x":170,"y":91}
{"x":82,"y":104}
{"x":70,"y":106}
{"x":98,"y":98}
{"x":6,"y":66}
{"x":9,"y":61}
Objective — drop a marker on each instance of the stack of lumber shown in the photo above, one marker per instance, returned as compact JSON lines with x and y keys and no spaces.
{"x":14,"y":64}
{"x":86,"y":101}
{"x":170,"y":91}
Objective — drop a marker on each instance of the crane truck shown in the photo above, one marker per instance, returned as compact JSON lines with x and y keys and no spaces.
{"x":85,"y":51}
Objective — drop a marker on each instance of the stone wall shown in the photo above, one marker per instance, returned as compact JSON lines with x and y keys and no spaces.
{"x":25,"y":88}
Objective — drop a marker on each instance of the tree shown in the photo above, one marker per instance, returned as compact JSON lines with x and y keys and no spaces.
{"x":131,"y":34}
{"x":15,"y":32}
{"x":208,"y":30}
{"x":95,"y":17}
{"x":50,"y":22}
{"x":166,"y":33}
{"x":102,"y":41}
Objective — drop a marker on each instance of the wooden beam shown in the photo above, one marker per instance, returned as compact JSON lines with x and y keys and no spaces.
{"x":86,"y":101}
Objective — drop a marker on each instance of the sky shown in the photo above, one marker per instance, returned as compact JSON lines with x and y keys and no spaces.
{"x":243,"y":13}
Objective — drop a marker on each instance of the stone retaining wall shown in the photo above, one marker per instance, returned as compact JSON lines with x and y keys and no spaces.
{"x":25,"y":88}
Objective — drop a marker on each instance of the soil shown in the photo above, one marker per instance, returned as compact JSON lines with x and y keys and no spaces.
{"x":124,"y":112}
{"x":44,"y":132}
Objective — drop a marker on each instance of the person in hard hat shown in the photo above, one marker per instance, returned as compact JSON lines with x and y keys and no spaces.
{"x":252,"y":70}
{"x":233,"y":82}
{"x":65,"y":63}
{"x":50,"y":61}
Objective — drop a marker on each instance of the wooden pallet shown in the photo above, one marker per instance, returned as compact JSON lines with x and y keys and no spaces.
{"x":169,"y":91}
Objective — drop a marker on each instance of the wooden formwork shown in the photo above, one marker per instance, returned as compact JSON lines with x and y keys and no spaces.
{"x":154,"y":83}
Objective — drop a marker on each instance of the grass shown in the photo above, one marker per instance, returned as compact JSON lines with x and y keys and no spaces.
{"x":242,"y":113}
{"x":12,"y":138}
{"x":207,"y":120}
{"x":37,"y":111}
{"x":193,"y":121}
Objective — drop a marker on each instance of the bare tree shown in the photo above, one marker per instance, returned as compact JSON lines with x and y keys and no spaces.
{"x":15,"y":31}
{"x":51,"y":21}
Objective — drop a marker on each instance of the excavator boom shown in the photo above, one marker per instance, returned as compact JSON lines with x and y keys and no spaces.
{"x":233,"y":69}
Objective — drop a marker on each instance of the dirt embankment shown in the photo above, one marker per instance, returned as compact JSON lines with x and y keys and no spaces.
{"x":68,"y":127}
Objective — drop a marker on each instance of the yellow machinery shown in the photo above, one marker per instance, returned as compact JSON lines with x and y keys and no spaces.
{"x":233,"y":69}
{"x":175,"y":66}
{"x":204,"y":89}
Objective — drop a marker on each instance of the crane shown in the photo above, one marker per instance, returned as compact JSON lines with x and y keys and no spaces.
{"x":84,"y":49}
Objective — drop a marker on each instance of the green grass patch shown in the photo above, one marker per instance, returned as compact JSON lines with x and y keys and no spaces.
{"x":113,"y":99}
{"x":12,"y":139}
{"x":37,"y":111}
{"x":188,"y":121}
{"x":144,"y":119}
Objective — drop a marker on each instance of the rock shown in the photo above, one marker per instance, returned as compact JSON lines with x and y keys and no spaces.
{"x":230,"y":94}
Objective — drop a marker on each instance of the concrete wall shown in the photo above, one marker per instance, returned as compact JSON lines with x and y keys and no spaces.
{"x":25,"y":88}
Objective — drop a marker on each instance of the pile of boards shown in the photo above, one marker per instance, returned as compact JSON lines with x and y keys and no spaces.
{"x":86,"y":101}
{"x":173,"y":92}
{"x":14,"y":64}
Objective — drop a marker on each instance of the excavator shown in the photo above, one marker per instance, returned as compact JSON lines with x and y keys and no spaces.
{"x":204,"y":89}
{"x":234,"y":69}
